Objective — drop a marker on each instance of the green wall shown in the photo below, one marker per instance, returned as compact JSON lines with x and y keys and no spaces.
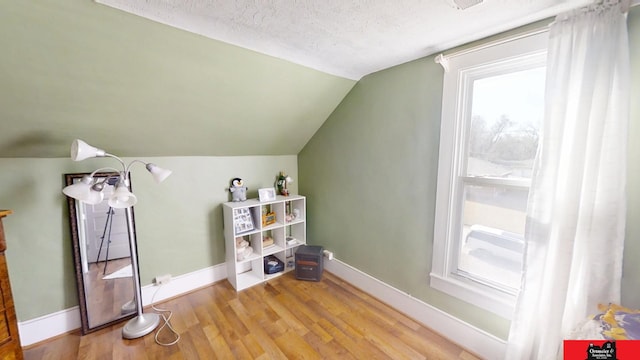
{"x":178,"y":222}
{"x":370,"y":176}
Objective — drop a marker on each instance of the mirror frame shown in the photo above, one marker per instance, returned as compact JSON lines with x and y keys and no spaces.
{"x":75,"y":241}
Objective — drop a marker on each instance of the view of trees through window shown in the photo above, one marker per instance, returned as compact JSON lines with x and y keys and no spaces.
{"x":506,"y":117}
{"x":505,"y":139}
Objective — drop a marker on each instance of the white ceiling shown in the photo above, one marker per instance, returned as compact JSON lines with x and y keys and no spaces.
{"x":349,"y":39}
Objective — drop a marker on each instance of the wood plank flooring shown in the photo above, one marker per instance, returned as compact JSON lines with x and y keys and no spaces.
{"x":282,"y":319}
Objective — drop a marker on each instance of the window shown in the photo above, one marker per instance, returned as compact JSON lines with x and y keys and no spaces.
{"x":492,"y":110}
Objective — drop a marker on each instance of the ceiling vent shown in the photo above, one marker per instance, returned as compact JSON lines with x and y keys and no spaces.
{"x":465,"y":4}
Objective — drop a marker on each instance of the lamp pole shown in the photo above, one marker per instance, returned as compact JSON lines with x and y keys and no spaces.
{"x":143,"y":323}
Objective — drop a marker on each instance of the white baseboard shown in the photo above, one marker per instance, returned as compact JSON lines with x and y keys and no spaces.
{"x":51,"y":325}
{"x":184,"y":283}
{"x":478,"y":341}
{"x":47,"y":326}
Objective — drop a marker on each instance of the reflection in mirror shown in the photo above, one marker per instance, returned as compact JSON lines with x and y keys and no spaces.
{"x":102,"y":258}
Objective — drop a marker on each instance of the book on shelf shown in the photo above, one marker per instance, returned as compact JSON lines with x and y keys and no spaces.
{"x":291,"y":240}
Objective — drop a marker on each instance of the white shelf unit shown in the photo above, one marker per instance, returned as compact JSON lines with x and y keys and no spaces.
{"x":244,"y":219}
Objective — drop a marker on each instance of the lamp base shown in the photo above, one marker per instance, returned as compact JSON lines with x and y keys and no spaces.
{"x":140,"y":325}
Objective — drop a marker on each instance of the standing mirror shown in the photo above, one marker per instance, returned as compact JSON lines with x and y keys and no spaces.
{"x":102,"y":258}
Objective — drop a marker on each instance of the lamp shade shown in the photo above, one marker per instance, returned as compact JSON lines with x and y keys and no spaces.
{"x":159,"y":174}
{"x":122,"y":198}
{"x":83,"y":191}
{"x":80,"y":150}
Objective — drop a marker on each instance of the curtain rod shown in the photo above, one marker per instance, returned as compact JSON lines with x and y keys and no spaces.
{"x":442,"y":58}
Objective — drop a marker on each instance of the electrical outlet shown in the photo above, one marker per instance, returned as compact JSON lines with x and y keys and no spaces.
{"x":328,"y":254}
{"x":162,"y":279}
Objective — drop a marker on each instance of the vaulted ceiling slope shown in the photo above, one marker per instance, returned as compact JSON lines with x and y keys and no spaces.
{"x":77,"y":69}
{"x":261,"y":81}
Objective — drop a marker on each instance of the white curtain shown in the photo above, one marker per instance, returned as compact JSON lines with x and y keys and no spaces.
{"x":576,"y":215}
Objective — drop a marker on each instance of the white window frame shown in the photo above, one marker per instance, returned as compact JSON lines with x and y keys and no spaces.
{"x":461,"y":70}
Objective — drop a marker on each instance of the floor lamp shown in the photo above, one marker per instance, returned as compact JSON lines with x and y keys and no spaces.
{"x":89,"y":190}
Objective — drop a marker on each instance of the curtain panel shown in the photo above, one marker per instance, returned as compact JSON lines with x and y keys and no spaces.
{"x":577,"y":203}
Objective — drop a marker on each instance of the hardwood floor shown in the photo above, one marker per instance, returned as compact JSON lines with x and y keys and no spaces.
{"x":282,"y":319}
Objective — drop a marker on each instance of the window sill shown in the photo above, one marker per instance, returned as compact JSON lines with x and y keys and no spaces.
{"x":482,"y":296}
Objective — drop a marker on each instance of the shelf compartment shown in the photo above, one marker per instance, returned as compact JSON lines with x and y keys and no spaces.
{"x":254,"y":242}
{"x":295,"y":211}
{"x":277,"y":235}
{"x":273,"y":249}
{"x":297,"y":231}
{"x":280,"y":255}
{"x":271,"y":214}
{"x":247,"y":280}
{"x":289,"y":259}
{"x":244,"y":220}
{"x":249,"y":273}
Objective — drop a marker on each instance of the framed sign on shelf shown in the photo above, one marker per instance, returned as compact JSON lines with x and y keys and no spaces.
{"x":267,"y":194}
{"x":243,"y":220}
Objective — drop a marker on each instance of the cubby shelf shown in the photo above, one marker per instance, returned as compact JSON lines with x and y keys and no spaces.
{"x":244,"y":219}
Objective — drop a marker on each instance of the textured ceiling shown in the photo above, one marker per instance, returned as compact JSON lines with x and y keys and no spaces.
{"x":345,"y":38}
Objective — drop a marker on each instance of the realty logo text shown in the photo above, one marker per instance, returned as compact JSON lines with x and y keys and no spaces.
{"x":605,"y":352}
